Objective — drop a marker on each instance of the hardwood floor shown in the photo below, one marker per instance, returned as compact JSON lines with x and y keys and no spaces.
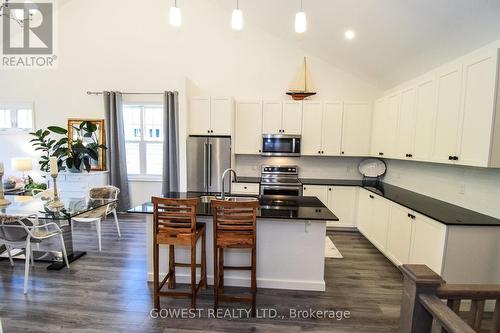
{"x":107,"y":292}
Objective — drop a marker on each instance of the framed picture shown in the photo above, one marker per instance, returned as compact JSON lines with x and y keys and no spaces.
{"x":100,"y":135}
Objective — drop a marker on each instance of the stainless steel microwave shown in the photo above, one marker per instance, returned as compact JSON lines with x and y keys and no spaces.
{"x":280,"y":145}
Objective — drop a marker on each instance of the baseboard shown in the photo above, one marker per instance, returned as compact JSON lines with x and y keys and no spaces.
{"x":261,"y":282}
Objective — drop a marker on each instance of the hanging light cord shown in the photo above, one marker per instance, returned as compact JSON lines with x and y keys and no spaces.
{"x":237,"y":4}
{"x":301,"y":7}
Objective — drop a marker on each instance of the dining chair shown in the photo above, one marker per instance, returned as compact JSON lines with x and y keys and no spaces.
{"x":96,"y":216}
{"x":17,"y":232}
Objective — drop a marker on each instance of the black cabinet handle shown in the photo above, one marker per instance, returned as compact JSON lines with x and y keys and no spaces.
{"x":411,"y":216}
{"x":305,"y":188}
{"x":342,"y":153}
{"x":455,"y":158}
{"x":245,"y":187}
{"x":319,"y":151}
{"x":329,"y":189}
{"x":450,"y":158}
{"x":372,"y":197}
{"x":322,"y":152}
{"x":208,"y":131}
{"x":381,"y":154}
{"x":410,"y":155}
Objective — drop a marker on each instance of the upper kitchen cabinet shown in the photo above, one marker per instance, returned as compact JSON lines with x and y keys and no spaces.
{"x":446,"y":130}
{"x":248,"y":127}
{"x":378,"y":127}
{"x":406,"y":128}
{"x":356,"y":129}
{"x":425,"y":110}
{"x":480,"y":123}
{"x":211,"y":116}
{"x":385,"y":125}
{"x":282,"y":117}
{"x":321,"y":128}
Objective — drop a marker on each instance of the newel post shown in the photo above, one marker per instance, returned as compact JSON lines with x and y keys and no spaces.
{"x":418,"y":279}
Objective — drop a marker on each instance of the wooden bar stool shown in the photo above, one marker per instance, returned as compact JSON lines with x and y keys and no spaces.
{"x":174,"y":223}
{"x":234,"y":225}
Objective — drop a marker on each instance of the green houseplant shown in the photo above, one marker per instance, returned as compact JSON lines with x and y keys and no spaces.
{"x":73,"y":154}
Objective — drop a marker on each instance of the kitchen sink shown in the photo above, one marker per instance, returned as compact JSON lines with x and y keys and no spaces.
{"x":208,"y":198}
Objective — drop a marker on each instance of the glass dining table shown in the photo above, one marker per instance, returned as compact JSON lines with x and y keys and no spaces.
{"x":26,"y":205}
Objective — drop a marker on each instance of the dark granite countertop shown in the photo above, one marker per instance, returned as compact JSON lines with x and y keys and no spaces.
{"x":247,"y":180}
{"x":436,"y":209}
{"x":272,"y":207}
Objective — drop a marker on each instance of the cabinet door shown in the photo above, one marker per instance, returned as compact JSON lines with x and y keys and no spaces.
{"x":356,"y":129}
{"x":399,"y":235}
{"x":342,"y":202}
{"x":292,"y":117}
{"x":449,"y":84}
{"x":331,"y":133}
{"x":424,"y":121}
{"x":428,"y":243}
{"x":245,"y":188}
{"x":221,"y":119}
{"x":199,"y":116}
{"x":391,"y":123}
{"x":248,"y":128}
{"x":365,"y":211}
{"x":478,"y":109}
{"x":311,"y":128}
{"x":406,"y":124}
{"x":318,"y":191}
{"x":379,"y":222}
{"x":271,"y":117}
{"x":378,"y":128}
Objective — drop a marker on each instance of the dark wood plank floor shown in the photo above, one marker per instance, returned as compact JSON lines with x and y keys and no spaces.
{"x":107,"y":292}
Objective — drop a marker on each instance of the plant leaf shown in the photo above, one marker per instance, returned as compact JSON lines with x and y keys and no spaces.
{"x":57,"y":129}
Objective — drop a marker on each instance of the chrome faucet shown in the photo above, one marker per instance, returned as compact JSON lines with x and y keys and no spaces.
{"x":222,"y":194}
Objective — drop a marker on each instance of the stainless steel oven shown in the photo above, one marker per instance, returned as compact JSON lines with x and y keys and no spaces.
{"x":280,"y":145}
{"x":280,"y":180}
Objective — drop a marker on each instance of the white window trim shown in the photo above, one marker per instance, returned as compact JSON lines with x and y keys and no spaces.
{"x":14,"y":107}
{"x":143,"y":177}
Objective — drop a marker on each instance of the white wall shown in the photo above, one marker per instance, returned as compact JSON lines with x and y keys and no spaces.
{"x":473,"y":188}
{"x":309,"y":167}
{"x":127,"y":46}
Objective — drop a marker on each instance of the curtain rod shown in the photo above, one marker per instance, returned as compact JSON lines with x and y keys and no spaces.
{"x":124,"y":93}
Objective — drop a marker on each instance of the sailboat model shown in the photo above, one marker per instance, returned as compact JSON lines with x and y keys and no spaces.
{"x":301,"y":87}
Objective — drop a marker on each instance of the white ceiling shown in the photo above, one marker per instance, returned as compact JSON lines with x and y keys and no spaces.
{"x":396,"y":39}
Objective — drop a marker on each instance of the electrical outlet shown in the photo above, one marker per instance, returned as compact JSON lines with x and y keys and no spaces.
{"x":462,"y":189}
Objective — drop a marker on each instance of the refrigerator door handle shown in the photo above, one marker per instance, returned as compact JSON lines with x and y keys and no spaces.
{"x":205,"y":167}
{"x":210,"y":165}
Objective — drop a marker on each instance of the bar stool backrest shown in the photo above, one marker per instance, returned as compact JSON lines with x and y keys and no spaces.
{"x":234,"y":216}
{"x":174,"y":215}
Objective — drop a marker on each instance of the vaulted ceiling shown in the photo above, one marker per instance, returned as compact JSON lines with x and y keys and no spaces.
{"x":395,"y":39}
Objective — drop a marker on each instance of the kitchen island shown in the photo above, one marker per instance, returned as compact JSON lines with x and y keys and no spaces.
{"x":291,"y":235}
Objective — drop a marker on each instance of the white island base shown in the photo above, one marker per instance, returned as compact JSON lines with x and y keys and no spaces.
{"x":290,"y":255}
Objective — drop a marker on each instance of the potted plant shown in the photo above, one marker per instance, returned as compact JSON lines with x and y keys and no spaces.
{"x":74,"y":154}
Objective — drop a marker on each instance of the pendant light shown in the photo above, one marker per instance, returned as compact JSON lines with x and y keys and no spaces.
{"x":175,"y":15}
{"x":237,"y":17}
{"x":300,"y":21}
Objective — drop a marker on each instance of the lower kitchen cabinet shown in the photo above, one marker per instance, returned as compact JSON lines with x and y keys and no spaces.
{"x":342,"y":201}
{"x":399,"y":235}
{"x":318,"y":191}
{"x":377,"y":231}
{"x":245,"y":188}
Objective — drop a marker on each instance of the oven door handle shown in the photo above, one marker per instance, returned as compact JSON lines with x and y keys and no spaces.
{"x":272,"y":187}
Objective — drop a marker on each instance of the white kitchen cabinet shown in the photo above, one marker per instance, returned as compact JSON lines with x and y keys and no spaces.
{"x":407,"y":118}
{"x":318,"y":191}
{"x":446,"y":130}
{"x":391,"y":123}
{"x":342,"y":202}
{"x":321,"y":128}
{"x":245,"y":188}
{"x":312,"y":126}
{"x":379,"y":223}
{"x":199,"y":116}
{"x":331,"y":132}
{"x":425,"y":110}
{"x":248,"y":127}
{"x":399,"y":234}
{"x":479,"y":93}
{"x":221,"y":115}
{"x":211,"y":116}
{"x":292,"y":118}
{"x":282,"y":117}
{"x":428,"y":243}
{"x":377,"y":144}
{"x":356,"y":129}
{"x":365,"y":211}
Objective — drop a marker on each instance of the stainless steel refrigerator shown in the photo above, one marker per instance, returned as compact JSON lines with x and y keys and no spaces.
{"x":207,"y":158}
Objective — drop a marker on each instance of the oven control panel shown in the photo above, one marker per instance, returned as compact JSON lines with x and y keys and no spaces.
{"x":289,"y":170}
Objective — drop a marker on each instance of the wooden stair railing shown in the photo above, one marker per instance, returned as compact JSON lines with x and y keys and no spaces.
{"x":423,"y":308}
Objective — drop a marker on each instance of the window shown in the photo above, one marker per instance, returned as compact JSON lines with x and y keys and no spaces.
{"x":16,"y":117}
{"x":143,"y":124}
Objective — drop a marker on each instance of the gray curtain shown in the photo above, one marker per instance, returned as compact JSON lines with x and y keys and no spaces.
{"x":115,"y":139}
{"x":170,"y":182}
